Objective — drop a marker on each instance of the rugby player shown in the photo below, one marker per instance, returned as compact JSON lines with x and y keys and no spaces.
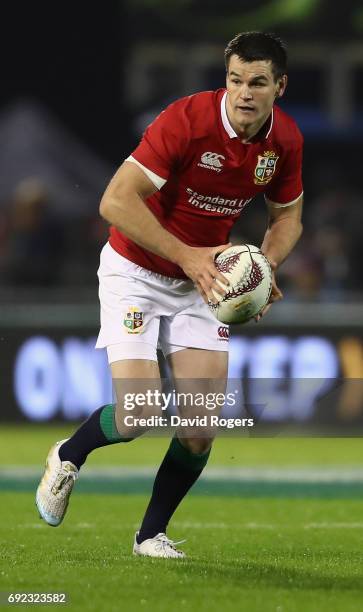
{"x":171,"y":206}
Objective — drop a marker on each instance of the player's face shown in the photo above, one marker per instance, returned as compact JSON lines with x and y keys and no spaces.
{"x":252,"y":89}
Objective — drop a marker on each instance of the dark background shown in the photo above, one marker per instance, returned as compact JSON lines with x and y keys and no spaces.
{"x":81,"y":81}
{"x":69,"y":57}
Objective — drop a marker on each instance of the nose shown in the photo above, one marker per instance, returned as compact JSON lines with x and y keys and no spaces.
{"x":245,"y":92}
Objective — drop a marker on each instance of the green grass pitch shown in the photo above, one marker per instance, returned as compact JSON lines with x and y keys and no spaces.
{"x":278,"y":553}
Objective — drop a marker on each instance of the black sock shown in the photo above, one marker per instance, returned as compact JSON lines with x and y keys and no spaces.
{"x":99,"y":430}
{"x":178,"y":472}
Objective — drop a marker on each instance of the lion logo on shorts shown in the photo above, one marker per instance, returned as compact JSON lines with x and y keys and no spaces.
{"x":134,"y":320}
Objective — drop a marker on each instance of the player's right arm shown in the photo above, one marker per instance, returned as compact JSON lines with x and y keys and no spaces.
{"x":123,"y":205}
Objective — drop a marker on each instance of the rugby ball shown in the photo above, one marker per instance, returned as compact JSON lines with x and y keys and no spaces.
{"x":250,"y":277}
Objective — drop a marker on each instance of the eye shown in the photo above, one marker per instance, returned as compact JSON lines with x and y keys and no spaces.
{"x":236,"y":81}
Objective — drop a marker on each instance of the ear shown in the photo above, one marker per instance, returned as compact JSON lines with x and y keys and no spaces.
{"x":281,"y":86}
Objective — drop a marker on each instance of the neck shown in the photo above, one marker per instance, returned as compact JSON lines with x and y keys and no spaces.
{"x":244,"y":132}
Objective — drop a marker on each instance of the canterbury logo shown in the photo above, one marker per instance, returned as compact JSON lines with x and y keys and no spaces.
{"x":211,"y":161}
{"x":223,"y":332}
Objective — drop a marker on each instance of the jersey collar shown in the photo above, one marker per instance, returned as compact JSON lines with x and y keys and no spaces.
{"x":229,"y":129}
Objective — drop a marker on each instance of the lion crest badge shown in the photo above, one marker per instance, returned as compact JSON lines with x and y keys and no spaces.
{"x":265,"y":169}
{"x":134,"y":320}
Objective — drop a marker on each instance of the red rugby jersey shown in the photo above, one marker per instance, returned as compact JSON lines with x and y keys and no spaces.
{"x":210,"y":174}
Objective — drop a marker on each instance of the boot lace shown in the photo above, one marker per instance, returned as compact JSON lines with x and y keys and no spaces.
{"x":65,"y":475}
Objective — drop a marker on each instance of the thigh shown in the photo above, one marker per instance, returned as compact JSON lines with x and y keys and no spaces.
{"x":199,"y":363}
{"x":130,"y":314}
{"x":135,"y":382}
{"x":195,"y":327}
{"x":134,"y":369}
{"x":200,"y":378}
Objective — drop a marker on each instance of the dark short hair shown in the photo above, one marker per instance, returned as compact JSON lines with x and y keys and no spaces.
{"x":255,"y":46}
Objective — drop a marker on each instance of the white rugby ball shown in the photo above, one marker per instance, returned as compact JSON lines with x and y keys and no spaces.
{"x":250,"y":277}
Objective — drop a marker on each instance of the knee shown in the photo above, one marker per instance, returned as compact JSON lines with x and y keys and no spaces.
{"x":197,"y":446}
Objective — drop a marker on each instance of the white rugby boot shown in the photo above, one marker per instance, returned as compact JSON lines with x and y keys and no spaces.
{"x":55,"y":487}
{"x":158,"y":546}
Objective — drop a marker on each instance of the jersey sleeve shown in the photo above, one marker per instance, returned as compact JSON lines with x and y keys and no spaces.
{"x":164,"y":141}
{"x":288,"y":186}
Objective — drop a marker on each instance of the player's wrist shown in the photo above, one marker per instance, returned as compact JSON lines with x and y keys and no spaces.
{"x":271,"y":258}
{"x":178,"y":253}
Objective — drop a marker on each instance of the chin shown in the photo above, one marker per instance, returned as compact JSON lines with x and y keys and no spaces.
{"x":245,"y":122}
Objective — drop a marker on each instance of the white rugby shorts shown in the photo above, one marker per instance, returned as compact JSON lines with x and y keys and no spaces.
{"x":142,"y":311}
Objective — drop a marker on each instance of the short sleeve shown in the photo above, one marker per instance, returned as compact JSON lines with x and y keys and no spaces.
{"x":165,"y":140}
{"x":288,"y":186}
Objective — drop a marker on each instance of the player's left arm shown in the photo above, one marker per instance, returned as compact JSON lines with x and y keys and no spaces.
{"x":283,"y":231}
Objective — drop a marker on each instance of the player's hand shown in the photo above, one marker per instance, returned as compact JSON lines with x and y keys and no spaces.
{"x":275,"y":296}
{"x":198,"y":264}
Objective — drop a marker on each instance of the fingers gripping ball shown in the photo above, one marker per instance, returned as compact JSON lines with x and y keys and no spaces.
{"x":250,"y":277}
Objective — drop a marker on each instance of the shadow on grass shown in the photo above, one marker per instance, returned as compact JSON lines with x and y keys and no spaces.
{"x":251,"y":573}
{"x":270,"y":575}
